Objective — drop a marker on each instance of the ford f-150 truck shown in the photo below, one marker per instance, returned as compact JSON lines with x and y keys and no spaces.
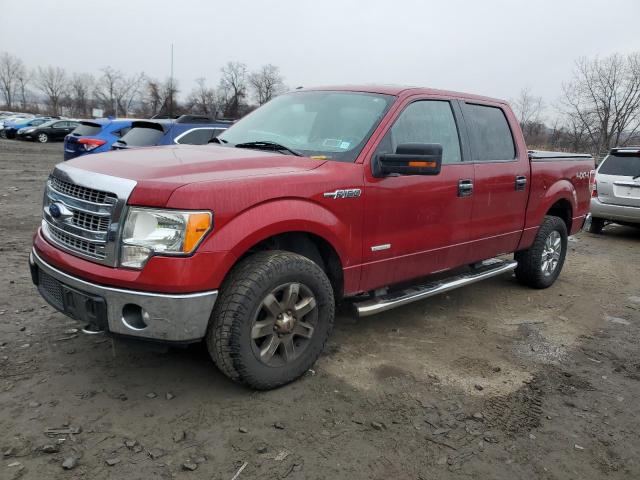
{"x":377,"y":196}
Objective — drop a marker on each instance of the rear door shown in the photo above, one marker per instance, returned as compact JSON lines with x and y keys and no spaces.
{"x":60,"y":129}
{"x":502,"y":179}
{"x":415,"y":225}
{"x":618,"y":178}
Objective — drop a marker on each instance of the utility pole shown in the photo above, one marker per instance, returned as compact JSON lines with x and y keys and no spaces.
{"x":171,"y":86}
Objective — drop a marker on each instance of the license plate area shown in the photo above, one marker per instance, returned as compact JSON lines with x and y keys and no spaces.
{"x":74,"y":303}
{"x":627,"y":191}
{"x":84,"y":307}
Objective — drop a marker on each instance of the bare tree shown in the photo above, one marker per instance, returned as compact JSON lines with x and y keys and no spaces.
{"x":23,"y":79}
{"x":128,"y":92}
{"x":267,"y":82}
{"x":603,"y":100}
{"x":528,"y":108}
{"x":233,"y":88}
{"x":80,"y":90}
{"x":52,"y":81}
{"x":11,"y":68}
{"x":105,"y":90}
{"x":203,"y":99}
{"x":157,"y":97}
{"x":117,"y":93}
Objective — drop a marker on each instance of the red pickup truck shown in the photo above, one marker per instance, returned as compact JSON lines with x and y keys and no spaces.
{"x":380,"y":196}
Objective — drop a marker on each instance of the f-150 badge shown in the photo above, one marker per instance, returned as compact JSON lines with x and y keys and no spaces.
{"x":343,"y":193}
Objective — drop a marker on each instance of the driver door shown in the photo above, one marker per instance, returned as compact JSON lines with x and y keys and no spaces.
{"x":415,"y":225}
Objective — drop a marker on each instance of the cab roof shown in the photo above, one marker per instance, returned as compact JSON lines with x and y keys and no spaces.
{"x":403,"y":91}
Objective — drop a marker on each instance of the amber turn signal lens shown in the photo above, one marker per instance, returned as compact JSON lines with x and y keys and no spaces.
{"x":422,"y":164}
{"x":197,"y":226}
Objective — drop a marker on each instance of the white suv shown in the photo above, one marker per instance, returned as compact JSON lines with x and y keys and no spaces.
{"x":615,"y":194}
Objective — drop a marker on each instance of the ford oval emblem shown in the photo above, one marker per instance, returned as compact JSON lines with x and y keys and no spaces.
{"x":54,"y":210}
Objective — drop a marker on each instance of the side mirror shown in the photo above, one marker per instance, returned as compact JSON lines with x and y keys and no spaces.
{"x":409,"y":159}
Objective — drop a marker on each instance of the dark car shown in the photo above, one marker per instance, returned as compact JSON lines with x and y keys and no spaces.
{"x":186,"y":129}
{"x":11,"y":128}
{"x":49,"y":131}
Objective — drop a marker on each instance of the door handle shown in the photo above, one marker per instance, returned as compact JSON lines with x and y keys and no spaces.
{"x":465,"y":188}
{"x":521,"y":182}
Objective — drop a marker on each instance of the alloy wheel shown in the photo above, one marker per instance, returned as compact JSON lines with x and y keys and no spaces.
{"x":284,"y":324}
{"x":551,"y":253}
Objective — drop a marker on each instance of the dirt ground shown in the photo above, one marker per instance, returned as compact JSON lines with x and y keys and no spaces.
{"x":491,"y":381}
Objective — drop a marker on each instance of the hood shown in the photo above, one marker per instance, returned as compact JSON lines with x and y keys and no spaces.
{"x":158,"y":171}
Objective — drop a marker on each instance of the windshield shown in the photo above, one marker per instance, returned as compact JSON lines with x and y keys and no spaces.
{"x":628,"y":166}
{"x":326,"y":124}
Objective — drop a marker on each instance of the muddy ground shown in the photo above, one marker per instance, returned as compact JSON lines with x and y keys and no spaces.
{"x":491,"y":381}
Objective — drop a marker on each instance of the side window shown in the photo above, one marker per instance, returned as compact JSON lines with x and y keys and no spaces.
{"x":200,"y":136}
{"x":425,"y":121}
{"x":489,"y":133}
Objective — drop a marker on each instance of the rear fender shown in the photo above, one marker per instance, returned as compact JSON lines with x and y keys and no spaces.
{"x":562,"y":189}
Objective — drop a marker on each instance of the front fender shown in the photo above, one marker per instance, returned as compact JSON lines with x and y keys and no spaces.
{"x":265,"y":220}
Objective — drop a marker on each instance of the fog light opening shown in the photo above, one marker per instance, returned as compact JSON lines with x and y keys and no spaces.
{"x":134,"y":316}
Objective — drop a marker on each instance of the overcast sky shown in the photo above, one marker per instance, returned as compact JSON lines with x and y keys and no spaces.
{"x":489,"y":47}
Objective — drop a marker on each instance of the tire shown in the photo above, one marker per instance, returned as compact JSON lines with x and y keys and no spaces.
{"x":42,"y":138}
{"x":596,"y":225}
{"x":540,"y":265}
{"x":247,"y":339}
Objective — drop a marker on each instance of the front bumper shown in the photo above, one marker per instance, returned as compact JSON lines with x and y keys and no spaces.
{"x":145,"y":315}
{"x":620,"y":213}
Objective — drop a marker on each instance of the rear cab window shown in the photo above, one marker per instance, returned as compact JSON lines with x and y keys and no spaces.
{"x":490,"y":136}
{"x":621,"y":165}
{"x":198,"y":136}
{"x":143,"y":134}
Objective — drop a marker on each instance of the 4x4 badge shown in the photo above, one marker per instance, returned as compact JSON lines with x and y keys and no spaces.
{"x":342,"y":193}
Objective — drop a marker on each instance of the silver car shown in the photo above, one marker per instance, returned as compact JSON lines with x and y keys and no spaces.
{"x":616,"y":192}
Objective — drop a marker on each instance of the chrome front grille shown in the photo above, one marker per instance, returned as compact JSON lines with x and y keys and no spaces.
{"x":82,"y":212}
{"x":89,"y":248}
{"x":91,"y":222}
{"x":82,"y":193}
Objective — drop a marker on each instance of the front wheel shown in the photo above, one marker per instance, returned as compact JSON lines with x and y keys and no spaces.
{"x":540,"y":265}
{"x":271,"y":320}
{"x":43,"y":137}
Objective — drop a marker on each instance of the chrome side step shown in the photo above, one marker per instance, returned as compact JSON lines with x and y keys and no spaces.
{"x":487,"y":269}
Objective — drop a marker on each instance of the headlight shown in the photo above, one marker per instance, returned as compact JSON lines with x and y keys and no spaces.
{"x":164,"y":232}
{"x":29,"y":130}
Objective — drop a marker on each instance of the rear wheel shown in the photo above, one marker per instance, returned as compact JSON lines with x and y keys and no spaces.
{"x":43,"y":137}
{"x":272,"y":319}
{"x":596,"y":225}
{"x":540,"y":265}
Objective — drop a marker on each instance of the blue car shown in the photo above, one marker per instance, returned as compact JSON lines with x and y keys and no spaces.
{"x":95,"y":136}
{"x":186,"y":129}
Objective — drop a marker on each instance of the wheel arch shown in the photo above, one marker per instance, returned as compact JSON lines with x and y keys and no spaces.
{"x":293,"y":225}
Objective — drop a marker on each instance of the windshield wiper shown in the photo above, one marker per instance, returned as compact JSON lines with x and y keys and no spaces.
{"x":217,"y":140}
{"x":266,"y":145}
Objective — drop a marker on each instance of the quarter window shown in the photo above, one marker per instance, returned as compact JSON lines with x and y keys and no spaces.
{"x":425,"y":121}
{"x":489,"y":133}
